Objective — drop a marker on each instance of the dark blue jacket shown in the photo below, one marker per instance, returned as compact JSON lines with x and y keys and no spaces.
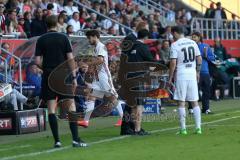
{"x":205,"y":59}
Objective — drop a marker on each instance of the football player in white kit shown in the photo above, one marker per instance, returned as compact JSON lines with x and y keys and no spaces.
{"x":185,"y":66}
{"x":103,"y":79}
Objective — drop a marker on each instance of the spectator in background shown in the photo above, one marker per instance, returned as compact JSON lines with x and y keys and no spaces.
{"x":219,"y":14}
{"x":69,"y":30}
{"x":74,"y":21}
{"x":107,"y":23}
{"x":12,"y":22}
{"x":20,"y":28}
{"x":84,"y":16}
{"x":38,"y":25}
{"x":55,"y":7}
{"x":93,"y":23}
{"x":2,"y":19}
{"x":43,"y":4}
{"x":14,"y":98}
{"x":34,"y":77}
{"x":64,"y":15}
{"x":221,"y":79}
{"x":167,"y":34}
{"x":210,"y":11}
{"x":165,"y":52}
{"x":154,"y":33}
{"x":60,"y":6}
{"x":220,"y":50}
{"x":9,"y":60}
{"x":69,"y":8}
{"x":27,"y":23}
{"x":50,"y":9}
{"x":61,"y":26}
{"x":27,"y":7}
{"x":11,"y":4}
{"x":20,"y":7}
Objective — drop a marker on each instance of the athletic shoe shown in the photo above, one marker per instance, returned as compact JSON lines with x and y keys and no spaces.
{"x":198,"y":131}
{"x":80,"y":143}
{"x":142,"y":132}
{"x":57,"y":145}
{"x":119,"y":123}
{"x":190,"y":111}
{"x":182,"y":132}
{"x":83,"y":124}
{"x":208,"y":112}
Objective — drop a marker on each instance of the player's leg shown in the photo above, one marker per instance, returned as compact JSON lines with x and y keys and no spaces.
{"x":182,"y":117}
{"x":120,"y":112}
{"x":180,"y":95}
{"x":193,"y":97}
{"x":77,"y":142}
{"x":90,"y":103}
{"x":52,"y":104}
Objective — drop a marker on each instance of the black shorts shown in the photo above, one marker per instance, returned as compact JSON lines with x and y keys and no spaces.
{"x":47,"y":93}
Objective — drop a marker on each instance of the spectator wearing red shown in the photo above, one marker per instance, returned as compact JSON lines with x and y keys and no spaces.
{"x":2,"y":18}
{"x":26,"y":6}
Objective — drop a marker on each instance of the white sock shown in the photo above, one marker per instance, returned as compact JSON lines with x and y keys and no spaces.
{"x":182,"y":117}
{"x":197,"y":116}
{"x":89,"y":110}
{"x":119,"y":108}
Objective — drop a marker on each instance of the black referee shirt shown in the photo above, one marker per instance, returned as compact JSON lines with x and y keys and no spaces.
{"x":53,"y":46}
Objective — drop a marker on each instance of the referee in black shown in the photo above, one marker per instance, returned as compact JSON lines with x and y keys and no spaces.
{"x":52,"y":49}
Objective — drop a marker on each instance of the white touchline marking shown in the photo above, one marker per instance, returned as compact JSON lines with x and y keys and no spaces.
{"x":219,"y":114}
{"x":223,"y":125}
{"x":15,"y":147}
{"x":107,"y":140}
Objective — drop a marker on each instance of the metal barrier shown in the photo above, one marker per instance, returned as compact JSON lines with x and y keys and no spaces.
{"x":6,"y":72}
{"x":212,"y":28}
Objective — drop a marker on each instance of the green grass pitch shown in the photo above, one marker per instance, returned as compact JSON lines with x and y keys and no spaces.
{"x":220,"y":139}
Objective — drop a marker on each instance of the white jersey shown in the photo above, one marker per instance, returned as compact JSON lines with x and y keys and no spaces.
{"x":105,"y":79}
{"x":185,"y":51}
{"x":101,"y":50}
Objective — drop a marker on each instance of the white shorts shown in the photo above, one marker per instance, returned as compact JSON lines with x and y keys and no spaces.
{"x":104,"y":84}
{"x":186,"y":90}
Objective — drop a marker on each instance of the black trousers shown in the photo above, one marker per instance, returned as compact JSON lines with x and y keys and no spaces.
{"x":204,"y":85}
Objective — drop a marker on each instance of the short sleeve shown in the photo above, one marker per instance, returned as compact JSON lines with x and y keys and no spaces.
{"x":102,"y":51}
{"x":68,"y":45}
{"x":38,"y":49}
{"x":173,"y":52}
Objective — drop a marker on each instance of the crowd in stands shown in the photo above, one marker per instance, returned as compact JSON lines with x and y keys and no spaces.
{"x":26,"y":18}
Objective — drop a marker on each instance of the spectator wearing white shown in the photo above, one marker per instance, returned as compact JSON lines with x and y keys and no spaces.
{"x":74,"y":21}
{"x":14,"y":97}
{"x":61,"y":26}
{"x":107,"y":23}
{"x":60,"y":6}
{"x":69,"y":8}
{"x":20,"y":6}
{"x":55,"y":7}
